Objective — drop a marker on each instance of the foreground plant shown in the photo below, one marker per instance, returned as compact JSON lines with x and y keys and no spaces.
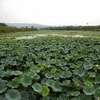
{"x":53,"y":68}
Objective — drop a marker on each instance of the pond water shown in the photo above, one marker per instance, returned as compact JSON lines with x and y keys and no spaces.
{"x":41,"y":35}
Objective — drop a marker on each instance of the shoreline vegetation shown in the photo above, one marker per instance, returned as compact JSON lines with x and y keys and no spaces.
{"x":4,"y":28}
{"x":11,"y":32}
{"x":8,"y":29}
{"x":80,"y":28}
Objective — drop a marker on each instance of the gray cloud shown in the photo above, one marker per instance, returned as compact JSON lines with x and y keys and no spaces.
{"x":54,"y":12}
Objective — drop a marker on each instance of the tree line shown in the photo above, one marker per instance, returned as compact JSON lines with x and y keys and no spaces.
{"x":7,"y":29}
{"x":82,"y":28}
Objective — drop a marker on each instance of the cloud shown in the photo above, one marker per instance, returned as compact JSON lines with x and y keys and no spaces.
{"x":53,"y":12}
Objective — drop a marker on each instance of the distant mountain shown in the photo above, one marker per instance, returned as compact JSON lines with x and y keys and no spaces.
{"x":28,"y":25}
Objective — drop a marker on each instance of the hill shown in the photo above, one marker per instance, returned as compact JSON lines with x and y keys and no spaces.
{"x":28,"y":25}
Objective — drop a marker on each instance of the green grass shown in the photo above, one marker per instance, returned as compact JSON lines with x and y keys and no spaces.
{"x":62,"y":32}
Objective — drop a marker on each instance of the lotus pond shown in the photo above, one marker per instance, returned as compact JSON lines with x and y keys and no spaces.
{"x":65,"y":33}
{"x":50,"y":68}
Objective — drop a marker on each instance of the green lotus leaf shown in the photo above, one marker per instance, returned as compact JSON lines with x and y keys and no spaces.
{"x":72,"y":65}
{"x":92,"y":74}
{"x":66,"y":50}
{"x":98,"y":93}
{"x":77,"y":82}
{"x":24,"y":95}
{"x":46,"y":98}
{"x":29,"y":63}
{"x":26,"y":80}
{"x":45,"y":91}
{"x":13,"y":95}
{"x":89,"y":90}
{"x":44,"y":81}
{"x":56,"y":76}
{"x":56,"y":86}
{"x":88,"y":66}
{"x":66,"y":74}
{"x":3,"y":61}
{"x":74,"y":93}
{"x":31,"y":74}
{"x":14,"y":83}
{"x":97,"y":79}
{"x":34,"y":56}
{"x":85,"y":97}
{"x":42,"y":68}
{"x":37,"y":77}
{"x":98,"y":98}
{"x":2,"y":67}
{"x":37,"y":87}
{"x":75,"y":98}
{"x":97,"y":66}
{"x":89,"y":83}
{"x":62,"y":96}
{"x":34,"y":69}
{"x":80,"y":72}
{"x":2,"y":73}
{"x":47,"y":64}
{"x":48,"y":75}
{"x":16,"y":73}
{"x":32,"y":97}
{"x":2,"y":87}
{"x":11,"y":73}
{"x":20,"y":57}
{"x":54,"y":61}
{"x":94,"y":57}
{"x":60,"y":62}
{"x":66,"y":82}
{"x":39,"y":61}
{"x":65,"y":68}
{"x":8,"y":73}
{"x":53,"y":70}
{"x":88,"y":60}
{"x":12,"y":63}
{"x":68,"y":58}
{"x":49,"y":82}
{"x":1,"y":54}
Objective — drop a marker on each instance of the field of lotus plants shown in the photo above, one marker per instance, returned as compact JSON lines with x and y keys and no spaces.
{"x":50,"y":68}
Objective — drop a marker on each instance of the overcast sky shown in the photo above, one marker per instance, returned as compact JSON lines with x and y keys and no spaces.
{"x":51,"y":12}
